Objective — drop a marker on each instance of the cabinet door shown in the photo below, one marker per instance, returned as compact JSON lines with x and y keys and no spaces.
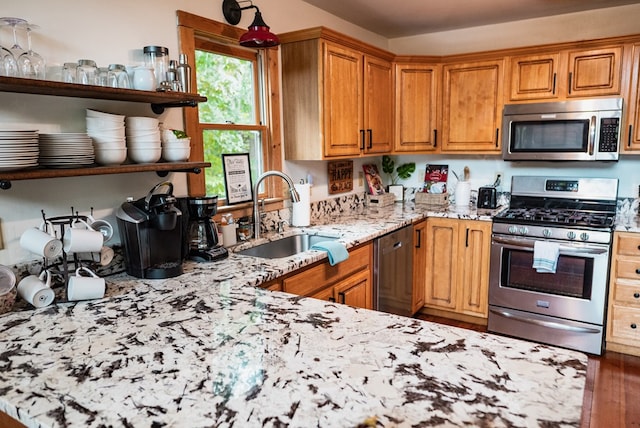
{"x":416,"y":108}
{"x":632,"y":142}
{"x":343,"y":112}
{"x":378,"y":105}
{"x":327,"y":295}
{"x":419,"y":265}
{"x":472,"y":107}
{"x":595,"y":72}
{"x":475,"y":246}
{"x":357,"y":290}
{"x":442,"y":263}
{"x":533,"y":77}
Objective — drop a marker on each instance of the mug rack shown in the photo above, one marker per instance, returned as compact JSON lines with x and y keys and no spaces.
{"x":61,"y":223}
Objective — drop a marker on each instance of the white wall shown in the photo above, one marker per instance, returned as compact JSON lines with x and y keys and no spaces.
{"x":115,"y":32}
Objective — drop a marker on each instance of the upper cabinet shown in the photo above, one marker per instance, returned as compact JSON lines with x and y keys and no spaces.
{"x":337,"y":96}
{"x":472,"y":95}
{"x":568,"y":73}
{"x":416,"y":107}
{"x":632,"y":144}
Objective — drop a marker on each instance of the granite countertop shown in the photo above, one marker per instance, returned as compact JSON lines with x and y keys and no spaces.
{"x":209,"y":349}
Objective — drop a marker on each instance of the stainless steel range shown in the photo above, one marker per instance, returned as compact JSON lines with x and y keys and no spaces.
{"x":550,"y":255}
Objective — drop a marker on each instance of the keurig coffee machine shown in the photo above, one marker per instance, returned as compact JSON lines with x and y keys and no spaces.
{"x":151,"y":233}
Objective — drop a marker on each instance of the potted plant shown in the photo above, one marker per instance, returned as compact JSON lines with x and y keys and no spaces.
{"x":401,"y":172}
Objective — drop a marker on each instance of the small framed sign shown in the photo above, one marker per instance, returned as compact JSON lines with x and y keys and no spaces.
{"x":340,"y":176}
{"x":237,"y":178}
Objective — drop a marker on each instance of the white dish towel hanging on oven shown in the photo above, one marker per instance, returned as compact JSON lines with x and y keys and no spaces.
{"x":545,"y":256}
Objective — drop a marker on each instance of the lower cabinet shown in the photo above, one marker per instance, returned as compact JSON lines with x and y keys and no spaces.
{"x":349,"y":282}
{"x":623,"y":318}
{"x":457,"y":269}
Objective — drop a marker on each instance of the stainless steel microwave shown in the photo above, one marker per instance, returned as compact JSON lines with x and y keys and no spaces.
{"x":576,"y":130}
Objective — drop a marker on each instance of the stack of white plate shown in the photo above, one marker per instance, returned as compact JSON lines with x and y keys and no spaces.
{"x":143,"y":139}
{"x":18,"y":150}
{"x":66,"y":150}
{"x":108,"y":135}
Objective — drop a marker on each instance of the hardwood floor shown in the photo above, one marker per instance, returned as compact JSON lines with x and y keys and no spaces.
{"x":612,"y":390}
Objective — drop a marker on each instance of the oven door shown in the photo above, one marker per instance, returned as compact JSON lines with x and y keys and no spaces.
{"x":577,"y":291}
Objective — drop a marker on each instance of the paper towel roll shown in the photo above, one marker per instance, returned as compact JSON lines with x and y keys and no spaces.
{"x":301,"y":215}
{"x":463,"y":194}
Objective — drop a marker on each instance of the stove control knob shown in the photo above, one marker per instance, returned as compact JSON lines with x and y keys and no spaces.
{"x":513,"y":229}
{"x":584,"y":236}
{"x":546,"y":233}
{"x":523,"y":230}
{"x":571,"y":235}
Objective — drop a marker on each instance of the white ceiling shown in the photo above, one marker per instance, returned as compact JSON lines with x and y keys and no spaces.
{"x":401,"y":18}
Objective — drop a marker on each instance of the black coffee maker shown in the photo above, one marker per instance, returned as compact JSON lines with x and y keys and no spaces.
{"x":151,"y":233}
{"x":202,"y":233}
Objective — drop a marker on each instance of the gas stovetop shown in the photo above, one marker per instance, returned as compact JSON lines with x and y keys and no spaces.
{"x":558,"y":217}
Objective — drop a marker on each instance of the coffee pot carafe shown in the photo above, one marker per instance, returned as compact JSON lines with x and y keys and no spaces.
{"x":151,"y":233}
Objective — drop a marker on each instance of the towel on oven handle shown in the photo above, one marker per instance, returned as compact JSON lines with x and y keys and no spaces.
{"x":545,"y":256}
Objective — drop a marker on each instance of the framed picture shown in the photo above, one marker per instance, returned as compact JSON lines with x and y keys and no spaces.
{"x":237,"y":178}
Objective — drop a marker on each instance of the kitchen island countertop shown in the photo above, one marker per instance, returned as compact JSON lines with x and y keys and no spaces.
{"x":210,"y":349}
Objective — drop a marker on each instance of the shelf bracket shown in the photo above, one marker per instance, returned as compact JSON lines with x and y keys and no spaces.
{"x":159,"y":108}
{"x":189,"y":170}
{"x":6,"y":184}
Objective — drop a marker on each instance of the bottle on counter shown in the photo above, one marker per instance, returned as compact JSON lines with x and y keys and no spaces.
{"x":183,"y":71}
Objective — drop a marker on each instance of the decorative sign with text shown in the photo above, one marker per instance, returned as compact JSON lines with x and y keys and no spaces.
{"x":340,"y":176}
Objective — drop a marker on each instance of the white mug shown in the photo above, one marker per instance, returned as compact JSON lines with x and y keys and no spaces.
{"x":103,"y":257}
{"x":38,"y":241}
{"x":36,"y":290}
{"x":81,"y":238}
{"x":102,"y":226}
{"x":85,"y":287}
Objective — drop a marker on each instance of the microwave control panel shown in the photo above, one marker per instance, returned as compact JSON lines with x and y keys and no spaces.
{"x":609,"y":134}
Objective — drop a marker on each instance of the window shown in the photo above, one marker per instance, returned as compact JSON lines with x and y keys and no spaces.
{"x":239,"y":114}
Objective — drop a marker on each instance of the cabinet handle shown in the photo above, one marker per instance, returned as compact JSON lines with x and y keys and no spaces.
{"x":362,"y":139}
{"x":554,"y":84}
{"x":419,"y":238}
{"x":636,"y":295}
{"x":343,"y":298}
{"x":638,"y":247}
{"x":629,"y":141}
{"x":370,"y":132}
{"x":638,"y":271}
{"x":570,"y":78}
{"x":435,"y":138}
{"x":633,"y":326}
{"x":332,"y":299}
{"x":466,"y":239}
{"x":497,"y":136}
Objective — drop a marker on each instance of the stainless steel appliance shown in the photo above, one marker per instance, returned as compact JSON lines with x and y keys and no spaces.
{"x":487,"y":197}
{"x":576,"y":130}
{"x":151,"y":233}
{"x":393,"y":272}
{"x":202,"y":232}
{"x":565,"y":308}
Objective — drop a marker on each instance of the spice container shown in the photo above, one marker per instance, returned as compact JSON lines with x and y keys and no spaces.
{"x":157,"y":58}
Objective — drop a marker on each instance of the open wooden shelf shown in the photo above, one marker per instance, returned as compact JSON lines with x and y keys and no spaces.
{"x":158,"y":100}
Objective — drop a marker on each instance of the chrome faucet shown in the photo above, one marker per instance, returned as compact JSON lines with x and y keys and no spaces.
{"x":256,"y":214}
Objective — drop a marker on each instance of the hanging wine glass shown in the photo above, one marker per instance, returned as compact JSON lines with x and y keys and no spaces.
{"x":31,"y":64}
{"x":8,"y":64}
{"x":14,"y":23}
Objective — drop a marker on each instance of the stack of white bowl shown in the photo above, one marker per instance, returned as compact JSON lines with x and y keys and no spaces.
{"x":143,"y":139}
{"x":175,"y":149}
{"x":107,"y":132}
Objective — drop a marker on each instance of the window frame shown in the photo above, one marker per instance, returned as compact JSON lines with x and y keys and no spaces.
{"x":195,"y":30}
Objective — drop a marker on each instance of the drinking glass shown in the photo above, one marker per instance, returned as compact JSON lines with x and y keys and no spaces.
{"x":14,"y":23}
{"x":31,"y":64}
{"x":8,"y":64}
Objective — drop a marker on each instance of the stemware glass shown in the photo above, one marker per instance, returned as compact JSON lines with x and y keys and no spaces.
{"x":31,"y":64}
{"x":14,"y":23}
{"x":8,"y":63}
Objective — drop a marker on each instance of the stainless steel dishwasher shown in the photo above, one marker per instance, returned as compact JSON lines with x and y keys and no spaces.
{"x":393,"y":272}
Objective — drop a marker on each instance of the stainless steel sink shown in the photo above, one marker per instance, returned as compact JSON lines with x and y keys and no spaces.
{"x":285,"y":247}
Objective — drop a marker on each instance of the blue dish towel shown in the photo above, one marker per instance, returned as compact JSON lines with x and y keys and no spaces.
{"x":545,"y":256}
{"x":336,"y":251}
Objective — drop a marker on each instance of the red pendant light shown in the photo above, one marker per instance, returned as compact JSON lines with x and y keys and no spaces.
{"x":258,"y":35}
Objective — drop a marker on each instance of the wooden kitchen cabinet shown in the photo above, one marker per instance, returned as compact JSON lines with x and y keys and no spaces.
{"x":416,"y":107}
{"x":632,"y":144}
{"x":337,"y":96}
{"x":457,"y":269}
{"x":419,"y":265}
{"x":623,"y":317}
{"x":472,"y":99}
{"x":566,"y":74}
{"x":349,"y":282}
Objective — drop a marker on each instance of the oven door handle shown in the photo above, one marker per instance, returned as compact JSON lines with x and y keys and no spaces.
{"x":543,"y":323}
{"x":528,"y":244}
